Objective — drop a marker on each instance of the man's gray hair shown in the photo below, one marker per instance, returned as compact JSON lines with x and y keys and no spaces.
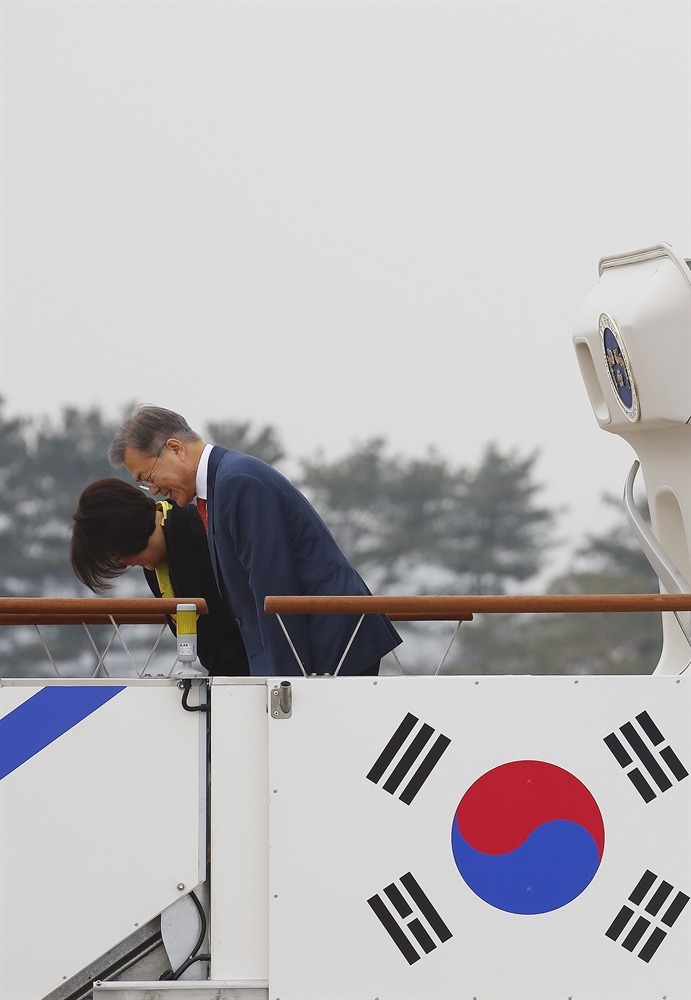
{"x":147,"y":430}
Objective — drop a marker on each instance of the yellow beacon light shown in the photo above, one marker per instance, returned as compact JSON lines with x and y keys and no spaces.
{"x":186,"y":616}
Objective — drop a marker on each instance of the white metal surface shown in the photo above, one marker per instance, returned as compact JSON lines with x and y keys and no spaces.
{"x":99,"y":828}
{"x":337,"y":839}
{"x":180,"y":928}
{"x":650,"y":301}
{"x":647,"y":295}
{"x":239,"y":829}
{"x":210,"y":990}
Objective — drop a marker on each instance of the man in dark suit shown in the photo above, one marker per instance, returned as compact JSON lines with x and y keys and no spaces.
{"x":116,"y":525}
{"x":264,"y":538}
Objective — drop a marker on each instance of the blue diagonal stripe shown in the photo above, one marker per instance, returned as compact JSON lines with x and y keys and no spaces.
{"x":44,"y":717}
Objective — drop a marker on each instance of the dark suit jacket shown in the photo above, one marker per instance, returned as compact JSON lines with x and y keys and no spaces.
{"x":266,"y":538}
{"x":219,"y":643}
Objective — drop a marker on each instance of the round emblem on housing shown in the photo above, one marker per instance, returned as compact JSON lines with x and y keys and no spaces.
{"x":619,"y":368}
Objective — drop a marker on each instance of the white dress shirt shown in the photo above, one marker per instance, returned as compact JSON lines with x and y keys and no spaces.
{"x":202,"y":470}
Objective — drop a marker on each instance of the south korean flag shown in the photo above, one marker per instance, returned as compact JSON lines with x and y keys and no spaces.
{"x":504,"y":837}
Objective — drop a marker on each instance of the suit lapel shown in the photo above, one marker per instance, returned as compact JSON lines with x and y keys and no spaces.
{"x":215,"y":457}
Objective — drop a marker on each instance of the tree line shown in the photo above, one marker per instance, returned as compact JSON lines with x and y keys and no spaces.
{"x":409,"y":525}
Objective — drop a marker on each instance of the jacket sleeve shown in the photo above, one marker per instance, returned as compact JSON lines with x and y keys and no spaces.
{"x":248,"y":518}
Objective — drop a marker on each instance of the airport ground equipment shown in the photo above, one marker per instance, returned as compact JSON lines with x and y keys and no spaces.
{"x":377,"y":838}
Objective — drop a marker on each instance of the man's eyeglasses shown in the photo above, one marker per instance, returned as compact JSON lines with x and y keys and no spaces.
{"x":147,"y":483}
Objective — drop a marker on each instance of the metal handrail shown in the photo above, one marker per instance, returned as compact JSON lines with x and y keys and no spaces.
{"x":82,"y":619}
{"x":87,"y":611}
{"x":463,"y":607}
{"x":92,"y":610}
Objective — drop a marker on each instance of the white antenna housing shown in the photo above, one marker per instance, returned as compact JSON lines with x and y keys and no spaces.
{"x":633,"y":343}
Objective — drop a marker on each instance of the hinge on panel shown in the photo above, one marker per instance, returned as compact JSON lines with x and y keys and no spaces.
{"x":282,"y":700}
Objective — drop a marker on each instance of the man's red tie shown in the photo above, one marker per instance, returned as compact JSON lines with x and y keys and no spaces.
{"x":201,"y":507}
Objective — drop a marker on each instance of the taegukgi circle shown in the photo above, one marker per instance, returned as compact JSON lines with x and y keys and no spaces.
{"x":528,"y":837}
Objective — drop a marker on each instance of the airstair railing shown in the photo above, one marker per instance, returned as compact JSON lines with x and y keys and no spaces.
{"x":461,"y":608}
{"x":92,"y":610}
{"x":89,"y":611}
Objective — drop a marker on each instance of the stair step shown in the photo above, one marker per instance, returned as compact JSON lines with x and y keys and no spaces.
{"x":237,"y":989}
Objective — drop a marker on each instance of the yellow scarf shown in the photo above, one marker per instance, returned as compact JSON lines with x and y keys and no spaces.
{"x":165,"y":584}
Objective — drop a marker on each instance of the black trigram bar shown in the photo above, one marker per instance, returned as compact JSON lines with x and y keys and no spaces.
{"x":659,"y":896}
{"x":645,"y":882}
{"x":649,"y":760}
{"x":652,"y":944}
{"x":645,"y":756}
{"x":396,"y":897}
{"x":392,"y":747}
{"x":619,"y":923}
{"x":426,"y":908}
{"x":635,"y":934}
{"x":408,"y":758}
{"x":398,"y":936}
{"x":650,"y":729}
{"x":640,"y":927}
{"x":641,"y":785}
{"x":422,"y":936}
{"x":397,"y":929}
{"x":673,"y":763}
{"x":675,"y":908}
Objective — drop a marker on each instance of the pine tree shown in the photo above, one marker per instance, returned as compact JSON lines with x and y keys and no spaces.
{"x":421,"y":523}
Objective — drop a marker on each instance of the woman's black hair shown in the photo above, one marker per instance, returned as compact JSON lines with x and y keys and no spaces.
{"x":112,"y":519}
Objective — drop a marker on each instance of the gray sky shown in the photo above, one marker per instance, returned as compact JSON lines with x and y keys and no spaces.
{"x":346,"y":219}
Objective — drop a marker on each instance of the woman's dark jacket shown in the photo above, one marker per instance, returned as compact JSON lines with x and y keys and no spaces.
{"x":219,"y":644}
